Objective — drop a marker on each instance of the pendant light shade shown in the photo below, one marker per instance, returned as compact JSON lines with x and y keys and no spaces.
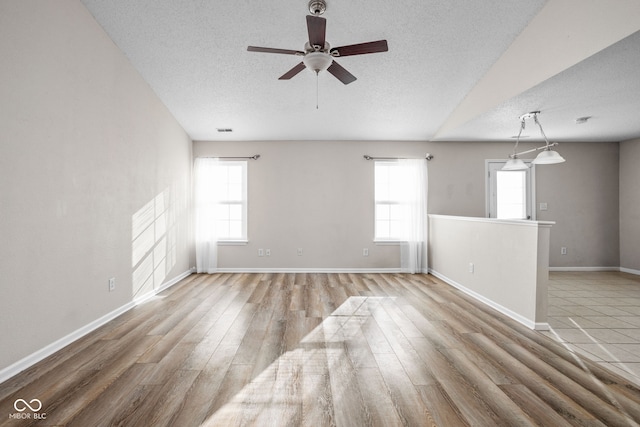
{"x":515,"y":164}
{"x":548,"y":157}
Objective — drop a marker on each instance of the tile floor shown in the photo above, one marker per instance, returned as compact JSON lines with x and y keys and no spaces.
{"x":597,"y":314}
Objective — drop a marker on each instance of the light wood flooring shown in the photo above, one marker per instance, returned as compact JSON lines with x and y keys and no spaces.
{"x":319,"y":350}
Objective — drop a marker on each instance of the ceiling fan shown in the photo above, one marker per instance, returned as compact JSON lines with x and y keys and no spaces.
{"x":318,"y":55}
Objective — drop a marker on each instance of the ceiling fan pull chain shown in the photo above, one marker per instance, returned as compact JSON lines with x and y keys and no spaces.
{"x":317,"y":90}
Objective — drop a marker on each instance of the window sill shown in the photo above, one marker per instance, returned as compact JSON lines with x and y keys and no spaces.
{"x":232,"y":242}
{"x":388,"y":242}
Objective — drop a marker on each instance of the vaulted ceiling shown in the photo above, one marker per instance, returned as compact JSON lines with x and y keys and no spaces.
{"x":461,"y":70}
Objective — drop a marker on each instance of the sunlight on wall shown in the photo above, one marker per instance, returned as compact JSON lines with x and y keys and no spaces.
{"x":153,"y":247}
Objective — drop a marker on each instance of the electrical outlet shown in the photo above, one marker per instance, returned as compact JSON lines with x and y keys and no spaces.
{"x":563,"y":251}
{"x":112,"y":284}
{"x":299,"y":251}
{"x":471,"y":267}
{"x":365,"y":252}
{"x":260,"y":252}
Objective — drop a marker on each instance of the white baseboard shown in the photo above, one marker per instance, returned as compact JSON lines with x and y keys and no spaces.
{"x":44,"y":352}
{"x":584,"y":269}
{"x":538,"y":326}
{"x":308,"y":270}
{"x":166,"y":285}
{"x":621,"y":269}
{"x":630,"y":271}
{"x":48,"y":350}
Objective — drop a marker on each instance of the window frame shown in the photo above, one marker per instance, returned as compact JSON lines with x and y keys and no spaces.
{"x":386,"y":202}
{"x":243,"y":202}
{"x":491,"y":197}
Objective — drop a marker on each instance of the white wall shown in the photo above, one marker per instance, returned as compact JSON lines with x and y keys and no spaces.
{"x":630,"y":205}
{"x":314,"y":195}
{"x":318,"y":195}
{"x":84,"y":146}
{"x":501,"y":262}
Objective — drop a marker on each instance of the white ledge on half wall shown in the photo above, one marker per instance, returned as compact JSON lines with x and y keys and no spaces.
{"x":520,"y":222}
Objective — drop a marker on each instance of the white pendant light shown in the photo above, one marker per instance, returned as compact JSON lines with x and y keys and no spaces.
{"x":546,"y":157}
{"x":515,"y":164}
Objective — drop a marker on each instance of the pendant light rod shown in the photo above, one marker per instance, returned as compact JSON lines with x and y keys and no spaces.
{"x":546,"y":147}
{"x":546,"y":157}
{"x":515,"y":147}
{"x":551,"y":144}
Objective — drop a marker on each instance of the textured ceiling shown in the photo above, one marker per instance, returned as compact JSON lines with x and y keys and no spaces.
{"x":455,"y":70}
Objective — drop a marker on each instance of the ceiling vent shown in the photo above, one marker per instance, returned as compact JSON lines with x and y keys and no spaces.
{"x":224,"y":130}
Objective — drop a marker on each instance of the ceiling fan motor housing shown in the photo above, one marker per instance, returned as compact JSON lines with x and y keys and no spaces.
{"x":317,"y":7}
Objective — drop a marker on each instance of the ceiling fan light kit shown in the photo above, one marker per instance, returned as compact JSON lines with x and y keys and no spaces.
{"x":546,"y":157}
{"x":318,"y":55}
{"x":317,"y":61}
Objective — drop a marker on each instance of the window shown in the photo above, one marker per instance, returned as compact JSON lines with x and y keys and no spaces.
{"x":391,"y":204}
{"x":509,"y":193}
{"x":400,"y":193}
{"x":229,"y":181}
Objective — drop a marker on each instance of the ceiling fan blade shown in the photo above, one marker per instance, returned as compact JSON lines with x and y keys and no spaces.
{"x":340,"y":73}
{"x":361,"y":48}
{"x":272,"y":50}
{"x":317,"y":28}
{"x":292,"y":72}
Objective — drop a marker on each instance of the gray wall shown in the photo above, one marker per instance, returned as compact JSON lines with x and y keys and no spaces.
{"x":85,"y":145}
{"x":583,"y":198}
{"x":630,"y":205}
{"x":318,"y":195}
